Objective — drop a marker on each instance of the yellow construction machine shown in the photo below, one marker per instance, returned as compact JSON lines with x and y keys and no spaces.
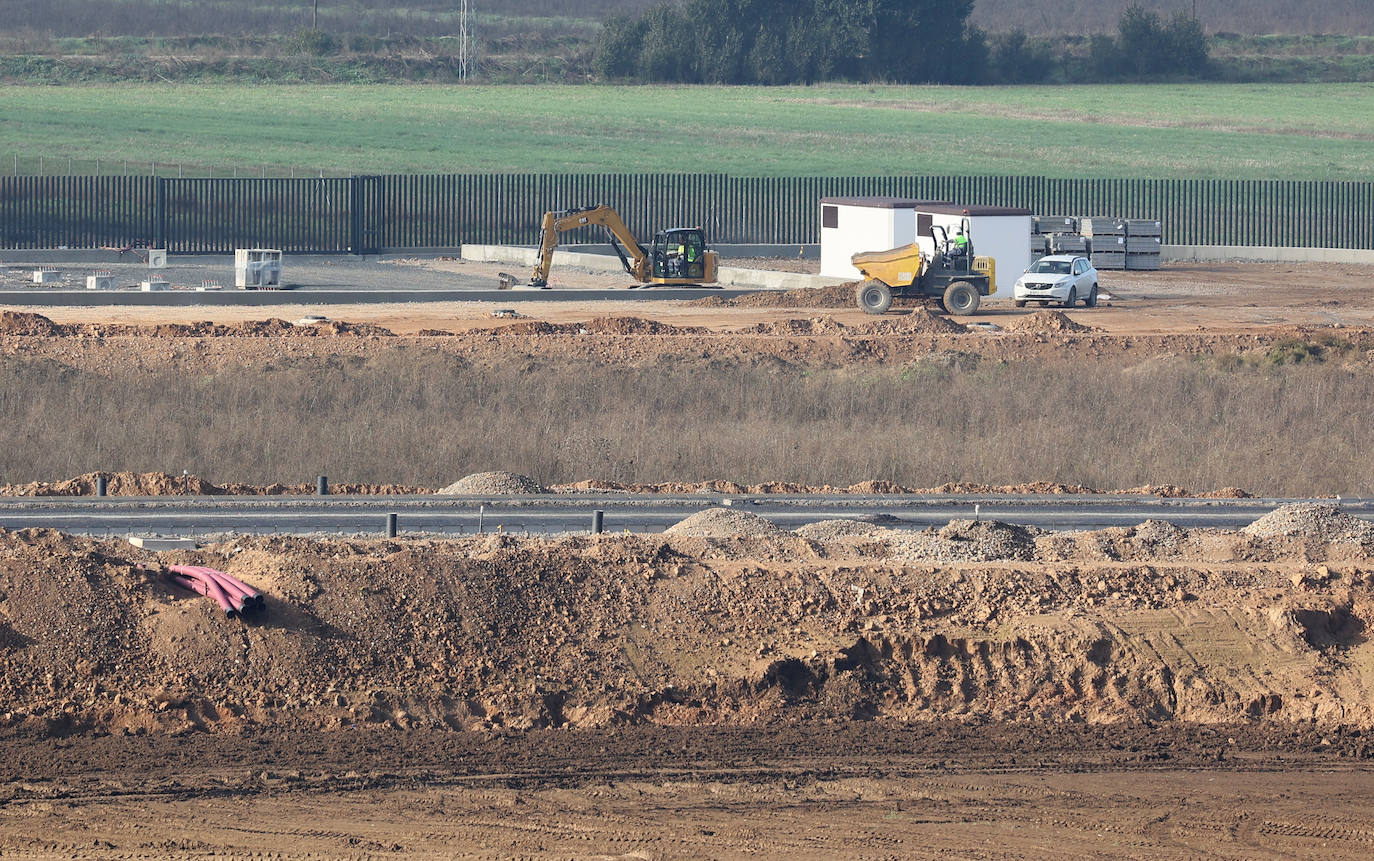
{"x":952,"y":274}
{"x":678,"y":255}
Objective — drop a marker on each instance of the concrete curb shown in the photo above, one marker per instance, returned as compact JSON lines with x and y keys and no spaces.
{"x":728,"y":276}
{"x":1263,"y":254}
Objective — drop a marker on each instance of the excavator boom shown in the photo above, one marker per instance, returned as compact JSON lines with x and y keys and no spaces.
{"x":632,"y":255}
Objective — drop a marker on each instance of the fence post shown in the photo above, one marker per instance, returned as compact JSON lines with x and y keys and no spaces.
{"x":355,"y":225}
{"x":160,"y":214}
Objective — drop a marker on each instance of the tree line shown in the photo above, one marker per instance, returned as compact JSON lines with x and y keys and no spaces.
{"x":901,"y":41}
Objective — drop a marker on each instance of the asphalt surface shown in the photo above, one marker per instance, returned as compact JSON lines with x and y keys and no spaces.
{"x":365,"y":515}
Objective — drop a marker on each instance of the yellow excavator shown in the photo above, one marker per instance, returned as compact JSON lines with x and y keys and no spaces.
{"x":678,"y":255}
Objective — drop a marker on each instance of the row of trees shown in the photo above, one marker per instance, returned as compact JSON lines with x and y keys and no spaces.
{"x":790,"y":41}
{"x":904,"y":41}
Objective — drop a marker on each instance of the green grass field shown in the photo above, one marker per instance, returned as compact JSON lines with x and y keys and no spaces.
{"x":1215,"y":130}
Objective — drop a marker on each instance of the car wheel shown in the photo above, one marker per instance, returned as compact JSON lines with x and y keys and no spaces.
{"x":1072,"y":298}
{"x":1020,"y":303}
{"x":1091,"y":301}
{"x":961,"y":297}
{"x":873,"y":296}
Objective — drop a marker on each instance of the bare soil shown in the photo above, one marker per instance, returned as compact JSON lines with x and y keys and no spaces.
{"x":726,"y":690}
{"x":1049,"y":680}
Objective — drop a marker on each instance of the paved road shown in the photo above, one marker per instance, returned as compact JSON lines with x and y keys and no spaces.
{"x":352,"y":515}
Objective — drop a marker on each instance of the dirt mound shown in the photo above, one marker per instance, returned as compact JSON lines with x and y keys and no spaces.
{"x":635,"y":326}
{"x":493,"y":483}
{"x":598,"y":326}
{"x":920,"y":321}
{"x":1322,"y":521}
{"x":1047,"y":322}
{"x":876,"y":487}
{"x":1228,"y":493}
{"x":813,"y":326}
{"x":835,"y":296}
{"x":723,"y":523}
{"x":25,"y":323}
{"x":1034,"y":487}
{"x":21,"y":323}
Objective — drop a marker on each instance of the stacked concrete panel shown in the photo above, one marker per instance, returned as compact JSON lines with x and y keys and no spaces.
{"x":1055,"y":234}
{"x":1108,"y":241}
{"x":1048,"y":224}
{"x":1070,"y":243}
{"x":1143,"y":240}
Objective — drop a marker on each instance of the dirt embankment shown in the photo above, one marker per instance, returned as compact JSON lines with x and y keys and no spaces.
{"x":719,"y":623}
{"x":30,"y":324}
{"x":506,"y":483}
{"x":163,"y":484}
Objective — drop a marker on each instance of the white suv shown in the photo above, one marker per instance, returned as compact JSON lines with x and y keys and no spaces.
{"x":1057,"y":278}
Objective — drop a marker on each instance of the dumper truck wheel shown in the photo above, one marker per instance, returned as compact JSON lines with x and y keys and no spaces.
{"x":961,"y":297}
{"x":873,"y":296}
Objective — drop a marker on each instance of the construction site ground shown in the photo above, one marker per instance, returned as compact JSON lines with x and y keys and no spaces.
{"x":1182,"y":298}
{"x":724,"y":690}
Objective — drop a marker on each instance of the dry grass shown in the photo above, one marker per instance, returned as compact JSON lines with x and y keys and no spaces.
{"x":427,"y":419}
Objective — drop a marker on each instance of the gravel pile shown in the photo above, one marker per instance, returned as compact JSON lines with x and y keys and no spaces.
{"x":965,"y":541}
{"x":723,"y":523}
{"x":828,"y":530}
{"x":1158,"y":538}
{"x":1323,"y":521}
{"x":492,"y":484}
{"x":990,"y":539}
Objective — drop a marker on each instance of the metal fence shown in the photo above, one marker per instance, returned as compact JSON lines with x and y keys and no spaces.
{"x":368,"y":214}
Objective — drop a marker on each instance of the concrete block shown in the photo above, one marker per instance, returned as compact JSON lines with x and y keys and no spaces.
{"x":100,"y":281}
{"x":163,"y":543}
{"x":157,"y":258}
{"x":46,"y":275}
{"x":155,"y":284}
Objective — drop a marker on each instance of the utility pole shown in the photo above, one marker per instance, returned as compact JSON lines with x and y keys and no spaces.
{"x":315,"y":14}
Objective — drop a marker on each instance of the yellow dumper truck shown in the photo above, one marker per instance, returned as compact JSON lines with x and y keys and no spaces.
{"x":952,"y":274}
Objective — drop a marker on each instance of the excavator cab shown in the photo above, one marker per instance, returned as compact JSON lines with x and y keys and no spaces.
{"x":680,"y":253}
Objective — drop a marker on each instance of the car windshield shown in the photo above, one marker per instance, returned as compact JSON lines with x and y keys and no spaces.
{"x":1052,"y":267}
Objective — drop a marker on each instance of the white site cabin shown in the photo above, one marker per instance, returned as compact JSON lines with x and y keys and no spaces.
{"x":853,"y":224}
